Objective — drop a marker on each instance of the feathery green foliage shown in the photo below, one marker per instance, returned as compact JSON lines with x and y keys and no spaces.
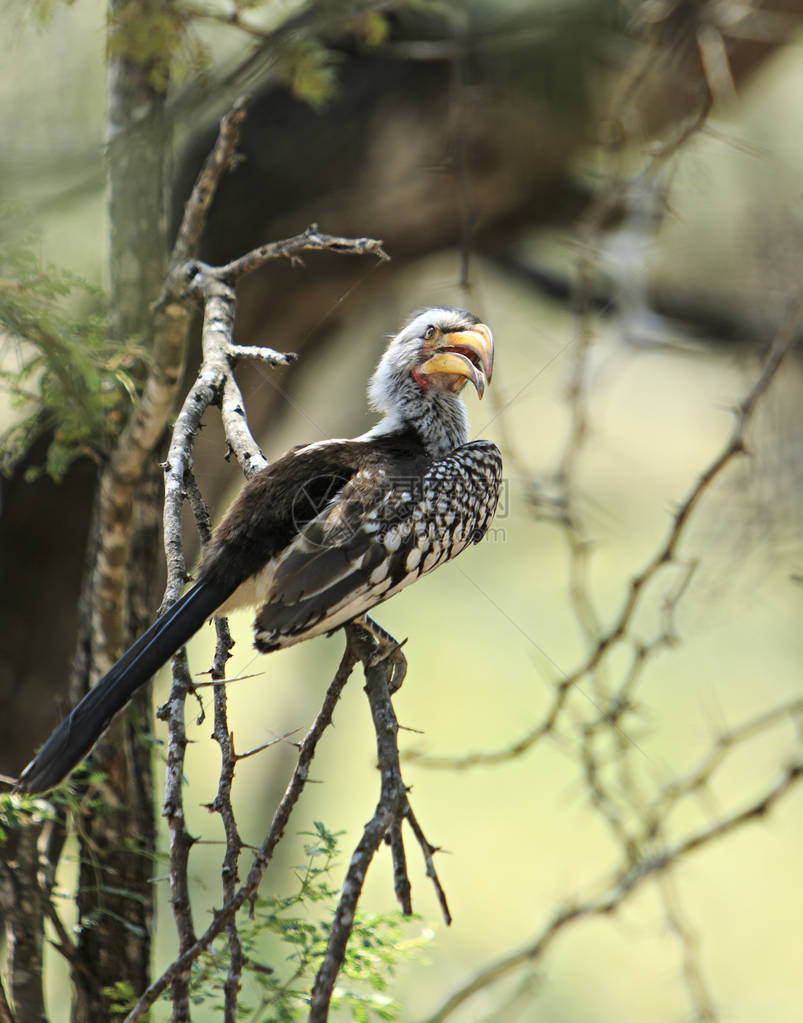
{"x":63,"y":373}
{"x":294,"y":930}
{"x":163,"y":41}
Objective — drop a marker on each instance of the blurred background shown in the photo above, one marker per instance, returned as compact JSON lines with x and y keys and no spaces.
{"x":616,"y":189}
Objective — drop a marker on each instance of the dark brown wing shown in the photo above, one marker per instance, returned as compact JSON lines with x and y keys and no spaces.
{"x":274,"y":506}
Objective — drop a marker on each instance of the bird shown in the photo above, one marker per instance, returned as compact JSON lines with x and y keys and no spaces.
{"x":332,"y":528}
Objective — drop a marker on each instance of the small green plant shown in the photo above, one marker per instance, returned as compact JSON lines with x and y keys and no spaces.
{"x":284,"y":939}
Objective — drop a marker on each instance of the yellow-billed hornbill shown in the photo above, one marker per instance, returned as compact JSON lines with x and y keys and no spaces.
{"x":330,"y":529}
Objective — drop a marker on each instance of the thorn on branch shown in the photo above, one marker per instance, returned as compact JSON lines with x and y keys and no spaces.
{"x":258,"y":967}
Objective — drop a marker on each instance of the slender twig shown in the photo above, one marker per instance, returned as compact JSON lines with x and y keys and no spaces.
{"x":265,"y":853}
{"x":392,"y":808}
{"x":702,"y":1002}
{"x":221,"y":160}
{"x":388,"y":809}
{"x":674,"y":792}
{"x":222,"y":805}
{"x":180,"y":839}
{"x":228,"y":759}
{"x":177,"y":473}
{"x":401,"y":880}
{"x":614,"y":896}
{"x":428,"y":851}
{"x":311,"y":240}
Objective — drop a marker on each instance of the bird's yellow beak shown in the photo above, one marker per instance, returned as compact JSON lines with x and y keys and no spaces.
{"x":464,"y":355}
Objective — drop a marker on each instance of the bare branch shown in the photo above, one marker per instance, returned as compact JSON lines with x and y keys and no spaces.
{"x":223,"y":806}
{"x":311,"y":240}
{"x":222,"y":159}
{"x":429,"y":850}
{"x":214,"y":287}
{"x":391,"y":809}
{"x":702,"y":1001}
{"x":265,"y":853}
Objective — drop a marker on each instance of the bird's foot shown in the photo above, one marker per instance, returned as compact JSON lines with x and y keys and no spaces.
{"x":388,"y":648}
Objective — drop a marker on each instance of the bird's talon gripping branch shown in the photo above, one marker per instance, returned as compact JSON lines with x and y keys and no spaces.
{"x":382,"y":654}
{"x":385,"y":642}
{"x":398,"y":664}
{"x":387,"y":648}
{"x":333,"y":528}
{"x":399,"y":673}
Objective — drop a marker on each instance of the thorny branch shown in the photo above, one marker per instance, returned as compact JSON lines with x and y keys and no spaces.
{"x":216,"y":384}
{"x":388,"y":810}
{"x":229,"y":873}
{"x":392,"y":808}
{"x":262,"y":859}
{"x":214,"y":287}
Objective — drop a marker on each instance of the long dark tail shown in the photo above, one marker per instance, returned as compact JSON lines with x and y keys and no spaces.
{"x":78,"y":733}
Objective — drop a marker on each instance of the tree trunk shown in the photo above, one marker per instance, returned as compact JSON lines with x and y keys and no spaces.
{"x":117,"y":841}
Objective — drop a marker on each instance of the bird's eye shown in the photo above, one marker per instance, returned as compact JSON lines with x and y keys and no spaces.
{"x":429,"y":333}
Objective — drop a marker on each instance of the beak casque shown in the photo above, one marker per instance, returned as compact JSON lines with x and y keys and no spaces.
{"x":452,"y":357}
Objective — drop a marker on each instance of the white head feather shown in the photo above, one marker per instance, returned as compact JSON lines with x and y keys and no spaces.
{"x":437,"y":414}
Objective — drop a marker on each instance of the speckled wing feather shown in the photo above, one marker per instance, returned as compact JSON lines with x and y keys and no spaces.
{"x":377,"y":536}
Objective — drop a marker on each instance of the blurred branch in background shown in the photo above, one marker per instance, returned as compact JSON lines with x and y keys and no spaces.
{"x":614,"y":895}
{"x":637,"y":810}
{"x":597,"y":708}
